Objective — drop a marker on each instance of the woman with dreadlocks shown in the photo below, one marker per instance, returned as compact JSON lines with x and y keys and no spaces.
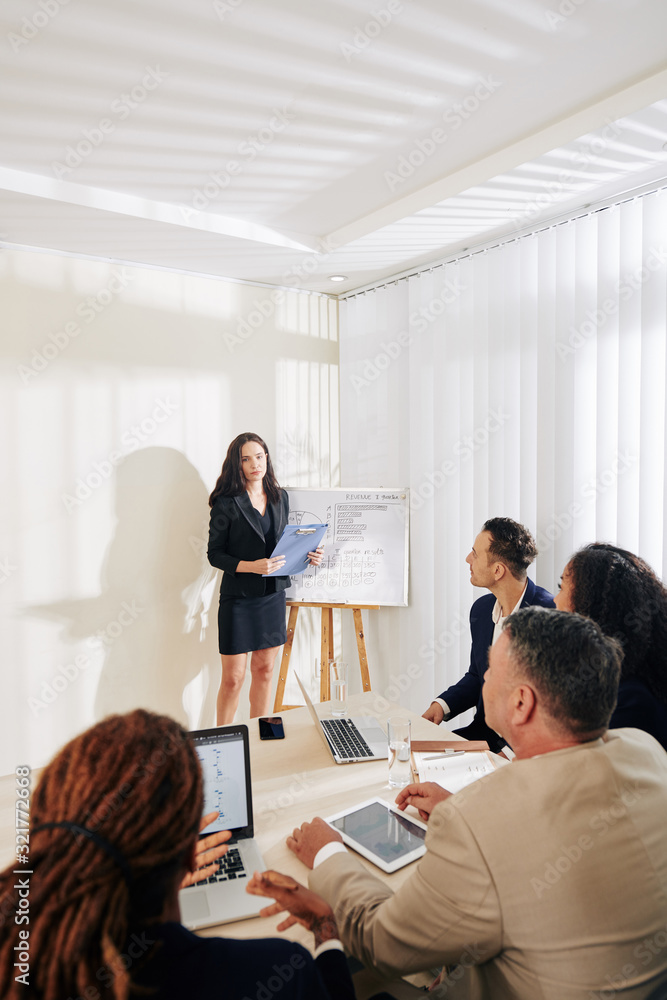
{"x":113,"y":836}
{"x":620,"y":592}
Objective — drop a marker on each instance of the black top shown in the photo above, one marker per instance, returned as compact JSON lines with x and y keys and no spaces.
{"x":638,"y":708}
{"x":182,"y":965}
{"x":266,"y":524}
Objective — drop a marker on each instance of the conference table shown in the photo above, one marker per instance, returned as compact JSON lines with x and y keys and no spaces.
{"x":294,"y":780}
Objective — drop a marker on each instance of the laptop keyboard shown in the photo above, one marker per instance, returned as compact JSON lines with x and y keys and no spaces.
{"x":229,"y":867}
{"x":346,"y":739}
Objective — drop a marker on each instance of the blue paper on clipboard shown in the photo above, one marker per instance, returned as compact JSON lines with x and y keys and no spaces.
{"x":296,"y":541}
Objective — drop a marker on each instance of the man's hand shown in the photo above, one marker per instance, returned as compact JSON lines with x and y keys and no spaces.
{"x":307,"y":839}
{"x":207,"y":853}
{"x":304,"y":906}
{"x":434,"y":713}
{"x":423,"y":797}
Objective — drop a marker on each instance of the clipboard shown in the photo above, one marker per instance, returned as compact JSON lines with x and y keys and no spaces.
{"x":296,"y":541}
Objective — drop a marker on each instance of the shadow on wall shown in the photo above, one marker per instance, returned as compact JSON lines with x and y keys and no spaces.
{"x":150,"y":617}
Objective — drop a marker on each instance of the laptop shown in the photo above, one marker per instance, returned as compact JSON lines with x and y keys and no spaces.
{"x":349,"y":740}
{"x":225,"y":759}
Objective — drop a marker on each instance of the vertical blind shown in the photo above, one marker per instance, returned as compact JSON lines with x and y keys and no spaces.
{"x":526,"y":381}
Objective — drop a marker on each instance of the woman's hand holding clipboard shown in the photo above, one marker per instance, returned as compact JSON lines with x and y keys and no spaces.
{"x":297,"y":543}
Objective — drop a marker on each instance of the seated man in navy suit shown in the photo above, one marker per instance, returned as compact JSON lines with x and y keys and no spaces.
{"x":500,"y":557}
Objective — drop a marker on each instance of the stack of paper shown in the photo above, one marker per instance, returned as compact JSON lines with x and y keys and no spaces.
{"x":454,"y":771}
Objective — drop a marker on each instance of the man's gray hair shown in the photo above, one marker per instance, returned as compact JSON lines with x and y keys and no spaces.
{"x":571,"y":663}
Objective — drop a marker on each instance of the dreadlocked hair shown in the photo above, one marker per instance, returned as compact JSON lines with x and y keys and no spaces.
{"x":620,"y":591}
{"x":135,"y":781}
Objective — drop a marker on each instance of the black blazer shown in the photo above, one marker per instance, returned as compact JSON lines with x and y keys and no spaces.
{"x":234,"y":534}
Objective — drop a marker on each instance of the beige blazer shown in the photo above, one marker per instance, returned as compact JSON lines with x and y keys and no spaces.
{"x":546,"y":880}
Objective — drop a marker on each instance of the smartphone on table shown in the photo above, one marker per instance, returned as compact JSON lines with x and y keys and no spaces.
{"x":271,"y":728}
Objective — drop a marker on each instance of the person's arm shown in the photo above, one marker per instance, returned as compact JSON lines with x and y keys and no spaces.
{"x":460,"y":696}
{"x":218,"y":547}
{"x":465,"y":693}
{"x":303,"y":905}
{"x":448,"y":903}
{"x":218,"y":537}
{"x":423,"y":796}
{"x":308,"y":909}
{"x":261,"y":566}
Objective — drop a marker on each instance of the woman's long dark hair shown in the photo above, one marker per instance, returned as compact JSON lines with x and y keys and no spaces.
{"x":133,"y":783}
{"x":231,"y":481}
{"x":620,"y":592}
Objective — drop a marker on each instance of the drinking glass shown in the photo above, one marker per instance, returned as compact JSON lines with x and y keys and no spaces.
{"x":398,"y":735}
{"x":338,"y":680}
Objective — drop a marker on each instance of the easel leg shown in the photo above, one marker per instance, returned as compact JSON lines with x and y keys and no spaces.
{"x":284,"y":663}
{"x":361,"y":648}
{"x":326,"y":653}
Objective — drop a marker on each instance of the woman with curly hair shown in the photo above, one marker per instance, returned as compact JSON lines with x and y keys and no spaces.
{"x":620,"y":592}
{"x":114,"y":825}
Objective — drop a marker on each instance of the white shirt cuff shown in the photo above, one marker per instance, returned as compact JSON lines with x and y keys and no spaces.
{"x":333,"y":945}
{"x":324,"y":853}
{"x":444,"y":706}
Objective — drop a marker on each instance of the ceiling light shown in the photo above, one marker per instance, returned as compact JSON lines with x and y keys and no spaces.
{"x":337,"y":277}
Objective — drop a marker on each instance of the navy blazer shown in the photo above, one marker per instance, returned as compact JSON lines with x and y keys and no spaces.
{"x":467,"y":693}
{"x":234,"y":535}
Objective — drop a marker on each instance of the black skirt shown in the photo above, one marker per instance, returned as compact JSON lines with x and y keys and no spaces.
{"x":249,"y":623}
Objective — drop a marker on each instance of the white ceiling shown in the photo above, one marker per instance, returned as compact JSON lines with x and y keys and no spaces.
{"x":368,"y":136}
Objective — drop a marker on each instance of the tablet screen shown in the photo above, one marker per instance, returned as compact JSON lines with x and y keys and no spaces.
{"x":381,"y":831}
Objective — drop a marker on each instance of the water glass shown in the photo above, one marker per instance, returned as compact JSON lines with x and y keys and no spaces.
{"x":338,"y":681}
{"x":398,"y":735}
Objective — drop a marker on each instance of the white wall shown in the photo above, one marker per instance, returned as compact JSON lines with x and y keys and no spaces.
{"x":121,"y":389}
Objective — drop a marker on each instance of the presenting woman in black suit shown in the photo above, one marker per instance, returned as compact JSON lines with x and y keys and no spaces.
{"x":249,"y":512}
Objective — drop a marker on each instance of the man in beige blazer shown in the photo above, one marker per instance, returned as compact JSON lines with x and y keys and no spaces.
{"x":546,"y":880}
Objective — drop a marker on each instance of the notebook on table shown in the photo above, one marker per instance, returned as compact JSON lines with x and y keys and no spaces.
{"x":349,"y":740}
{"x":225,"y":758}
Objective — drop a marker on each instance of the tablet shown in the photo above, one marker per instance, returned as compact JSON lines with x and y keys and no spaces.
{"x":380,"y":832}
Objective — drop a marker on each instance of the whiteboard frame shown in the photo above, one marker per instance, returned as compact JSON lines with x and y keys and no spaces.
{"x":406,"y":543}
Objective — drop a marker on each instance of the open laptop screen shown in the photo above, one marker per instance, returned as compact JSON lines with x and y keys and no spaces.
{"x":225,"y":760}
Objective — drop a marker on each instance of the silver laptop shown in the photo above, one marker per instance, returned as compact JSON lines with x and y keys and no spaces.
{"x":225,"y":758}
{"x":349,"y":740}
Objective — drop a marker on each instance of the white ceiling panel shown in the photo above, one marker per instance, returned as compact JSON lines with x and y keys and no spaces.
{"x":287,"y":142}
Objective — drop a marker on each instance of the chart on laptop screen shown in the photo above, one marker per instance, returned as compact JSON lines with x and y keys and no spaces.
{"x":223,"y":765}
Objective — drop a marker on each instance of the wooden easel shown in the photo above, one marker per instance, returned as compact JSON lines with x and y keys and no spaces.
{"x":326,"y":647}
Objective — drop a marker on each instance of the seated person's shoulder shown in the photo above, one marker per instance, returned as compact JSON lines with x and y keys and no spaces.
{"x":482,"y":607}
{"x":630,"y":740}
{"x":544,"y":598}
